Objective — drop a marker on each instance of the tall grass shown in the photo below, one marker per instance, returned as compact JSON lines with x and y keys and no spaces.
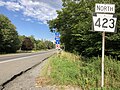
{"x":70,"y":69}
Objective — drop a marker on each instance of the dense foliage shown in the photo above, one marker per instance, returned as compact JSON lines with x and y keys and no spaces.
{"x":34,"y":44}
{"x":74,"y":22}
{"x":27,"y":44}
{"x":9,"y":41}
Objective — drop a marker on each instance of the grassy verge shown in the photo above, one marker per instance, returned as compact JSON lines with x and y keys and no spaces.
{"x":69,"y":69}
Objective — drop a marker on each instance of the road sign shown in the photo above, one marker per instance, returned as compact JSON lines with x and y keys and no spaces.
{"x":57,"y":46}
{"x":104,"y":22}
{"x":58,"y":42}
{"x":57,"y":34}
{"x":105,"y":8}
{"x":57,"y":38}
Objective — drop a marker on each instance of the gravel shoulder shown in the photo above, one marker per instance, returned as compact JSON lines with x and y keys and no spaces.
{"x":26,"y":81}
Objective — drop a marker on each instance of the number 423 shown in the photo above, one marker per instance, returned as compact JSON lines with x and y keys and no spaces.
{"x":105,"y":23}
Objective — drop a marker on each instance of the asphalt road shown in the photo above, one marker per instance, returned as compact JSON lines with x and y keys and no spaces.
{"x":19,"y":55}
{"x":11,"y":65}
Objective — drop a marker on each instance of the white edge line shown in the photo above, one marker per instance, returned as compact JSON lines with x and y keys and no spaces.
{"x":10,"y":60}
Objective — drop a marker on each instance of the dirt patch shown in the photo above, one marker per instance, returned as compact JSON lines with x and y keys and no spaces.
{"x":42,"y":81}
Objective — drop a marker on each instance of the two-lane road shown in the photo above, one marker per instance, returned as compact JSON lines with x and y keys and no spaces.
{"x":13,"y":64}
{"x":20,"y":55}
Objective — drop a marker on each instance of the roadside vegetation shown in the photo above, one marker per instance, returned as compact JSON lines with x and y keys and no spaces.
{"x":74,"y":23}
{"x":85,"y":73}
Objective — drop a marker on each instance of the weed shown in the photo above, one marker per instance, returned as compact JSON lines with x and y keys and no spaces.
{"x":70,"y":69}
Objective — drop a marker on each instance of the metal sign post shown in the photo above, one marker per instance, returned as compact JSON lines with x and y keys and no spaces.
{"x":105,"y":21}
{"x":103,"y":54}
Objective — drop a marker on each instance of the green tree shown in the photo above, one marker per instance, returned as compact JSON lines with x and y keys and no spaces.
{"x":33,"y":41}
{"x":27,"y":44}
{"x":74,"y":23}
{"x":49,"y":44}
{"x":8,"y":36}
{"x":21,"y":38}
{"x":1,"y":42}
{"x":41,"y":45}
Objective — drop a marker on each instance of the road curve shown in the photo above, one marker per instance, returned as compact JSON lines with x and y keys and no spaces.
{"x":15,"y":64}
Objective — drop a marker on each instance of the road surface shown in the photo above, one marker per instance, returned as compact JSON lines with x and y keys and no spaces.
{"x":11,"y":65}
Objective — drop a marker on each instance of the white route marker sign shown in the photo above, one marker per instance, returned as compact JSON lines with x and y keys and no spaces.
{"x":105,"y":8}
{"x":104,"y":22}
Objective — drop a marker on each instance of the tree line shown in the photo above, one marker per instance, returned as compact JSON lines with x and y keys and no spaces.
{"x":30,"y":43}
{"x":74,"y":22}
{"x":11,"y":41}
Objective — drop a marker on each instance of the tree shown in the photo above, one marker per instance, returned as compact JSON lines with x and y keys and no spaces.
{"x":21,"y":38}
{"x":49,"y":44}
{"x":33,"y":41}
{"x":44,"y":44}
{"x":74,"y":23}
{"x":8,"y":36}
{"x":27,"y":44}
{"x":41,"y":45}
{"x":1,"y":42}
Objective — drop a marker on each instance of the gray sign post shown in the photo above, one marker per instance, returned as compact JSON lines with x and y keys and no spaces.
{"x":105,"y":21}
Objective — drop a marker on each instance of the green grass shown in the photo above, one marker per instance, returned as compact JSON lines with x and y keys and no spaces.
{"x":69,"y":69}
